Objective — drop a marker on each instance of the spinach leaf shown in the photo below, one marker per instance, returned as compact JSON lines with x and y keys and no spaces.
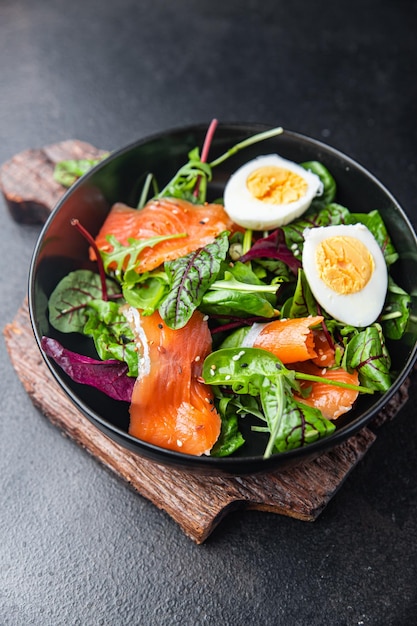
{"x":190,"y":277}
{"x":255,"y":372}
{"x":148,"y":293}
{"x":69,"y":301}
{"x":240,"y":293}
{"x":112,"y":335}
{"x":374,"y":222}
{"x":396,"y":311}
{"x":329,"y":183}
{"x":236,"y":338}
{"x":230,"y":438}
{"x":236,"y":303}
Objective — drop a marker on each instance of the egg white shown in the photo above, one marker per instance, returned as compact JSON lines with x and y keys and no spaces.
{"x":250,"y":212}
{"x":357,"y":309}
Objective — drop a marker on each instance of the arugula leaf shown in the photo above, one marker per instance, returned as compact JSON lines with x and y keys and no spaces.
{"x":125,"y":258}
{"x":183,"y":184}
{"x":190,"y":277}
{"x":69,"y":301}
{"x":367,"y":353}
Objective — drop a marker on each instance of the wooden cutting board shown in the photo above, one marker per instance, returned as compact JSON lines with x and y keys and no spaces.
{"x":196,"y":502}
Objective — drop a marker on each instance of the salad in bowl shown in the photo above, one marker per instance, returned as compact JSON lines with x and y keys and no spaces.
{"x":232,"y":297}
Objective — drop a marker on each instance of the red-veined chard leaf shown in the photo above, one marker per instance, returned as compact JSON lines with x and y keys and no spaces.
{"x":110,"y":376}
{"x":366,"y":352}
{"x":69,"y":300}
{"x":303,"y":303}
{"x":190,"y":277}
{"x":273,"y":247}
{"x":330,"y":215}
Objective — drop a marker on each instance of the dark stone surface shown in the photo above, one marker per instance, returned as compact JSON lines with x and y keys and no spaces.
{"x":78,"y":546}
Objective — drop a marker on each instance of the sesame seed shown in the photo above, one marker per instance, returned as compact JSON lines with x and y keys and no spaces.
{"x":237,"y":356}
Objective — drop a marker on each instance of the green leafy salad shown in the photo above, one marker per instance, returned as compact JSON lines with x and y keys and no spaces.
{"x":292,"y":289}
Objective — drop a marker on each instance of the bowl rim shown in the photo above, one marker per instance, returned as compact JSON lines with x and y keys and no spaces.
{"x":230,"y":464}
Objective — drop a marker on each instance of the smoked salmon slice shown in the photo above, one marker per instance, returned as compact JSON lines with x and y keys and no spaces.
{"x":200,"y":225}
{"x":332,"y":401}
{"x":170,"y":407}
{"x":291,"y":339}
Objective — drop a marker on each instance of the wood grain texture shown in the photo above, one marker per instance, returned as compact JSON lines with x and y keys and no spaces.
{"x":196,"y":502}
{"x":27,"y":181}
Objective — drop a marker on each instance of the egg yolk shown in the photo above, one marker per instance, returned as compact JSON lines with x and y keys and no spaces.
{"x":276,"y":185}
{"x":344,"y":264}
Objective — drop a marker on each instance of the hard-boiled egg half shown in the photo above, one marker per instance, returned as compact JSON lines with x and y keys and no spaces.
{"x":346,"y":271}
{"x":269,"y":192}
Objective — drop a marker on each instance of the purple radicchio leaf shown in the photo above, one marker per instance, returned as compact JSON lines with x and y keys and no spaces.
{"x":108,"y":376}
{"x":273,"y":247}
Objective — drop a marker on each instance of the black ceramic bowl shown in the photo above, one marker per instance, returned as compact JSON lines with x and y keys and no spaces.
{"x":60,"y":249}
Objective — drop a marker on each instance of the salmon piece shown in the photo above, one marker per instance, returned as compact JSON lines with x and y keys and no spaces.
{"x":170,"y":407}
{"x":166,"y":216}
{"x":331,"y":400}
{"x":325,"y":352}
{"x":291,"y":340}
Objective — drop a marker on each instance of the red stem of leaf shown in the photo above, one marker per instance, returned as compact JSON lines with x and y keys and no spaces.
{"x":206,"y":148}
{"x":75,"y":222}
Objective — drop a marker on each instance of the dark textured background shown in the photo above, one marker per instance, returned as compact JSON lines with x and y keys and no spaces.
{"x":77,"y":546}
